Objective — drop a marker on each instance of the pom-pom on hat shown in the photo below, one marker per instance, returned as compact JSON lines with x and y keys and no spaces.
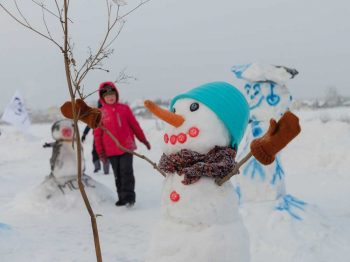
{"x":227,"y":102}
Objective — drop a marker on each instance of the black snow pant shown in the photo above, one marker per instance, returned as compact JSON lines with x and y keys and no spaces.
{"x":124,"y":177}
{"x":94,"y":153}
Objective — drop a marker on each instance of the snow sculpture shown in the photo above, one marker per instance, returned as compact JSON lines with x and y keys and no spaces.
{"x":200,"y":220}
{"x":268,"y":97}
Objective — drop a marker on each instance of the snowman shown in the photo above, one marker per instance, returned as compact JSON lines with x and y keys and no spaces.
{"x":268,"y":97}
{"x":63,"y":161}
{"x":200,"y":220}
{"x":281,"y":227}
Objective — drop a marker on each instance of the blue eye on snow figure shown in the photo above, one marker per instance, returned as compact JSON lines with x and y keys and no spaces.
{"x":272,"y":99}
{"x":256,"y":89}
{"x":247,"y":88}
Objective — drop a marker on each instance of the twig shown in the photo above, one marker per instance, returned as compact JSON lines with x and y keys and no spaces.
{"x":132,"y":152}
{"x":49,"y":11}
{"x":29,"y":27}
{"x":235,"y":170}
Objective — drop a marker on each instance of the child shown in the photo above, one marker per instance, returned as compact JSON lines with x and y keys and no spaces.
{"x":95,"y":157}
{"x":120,"y":121}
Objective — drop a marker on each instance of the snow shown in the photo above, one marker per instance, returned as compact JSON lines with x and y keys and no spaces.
{"x":255,"y":72}
{"x":316,"y":163}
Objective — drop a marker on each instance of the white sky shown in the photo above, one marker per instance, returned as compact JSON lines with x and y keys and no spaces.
{"x":174,"y":45}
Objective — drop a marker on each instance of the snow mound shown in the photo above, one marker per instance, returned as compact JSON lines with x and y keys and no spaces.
{"x":8,"y":240}
{"x":278,"y":236}
{"x":63,"y":194}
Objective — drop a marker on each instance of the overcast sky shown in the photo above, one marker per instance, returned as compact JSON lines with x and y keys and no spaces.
{"x":174,"y":45}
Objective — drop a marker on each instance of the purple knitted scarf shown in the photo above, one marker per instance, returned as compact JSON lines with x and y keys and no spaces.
{"x":217,"y":163}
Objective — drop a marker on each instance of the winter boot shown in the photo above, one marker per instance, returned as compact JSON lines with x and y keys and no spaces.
{"x":106,"y":168}
{"x":97,"y":166}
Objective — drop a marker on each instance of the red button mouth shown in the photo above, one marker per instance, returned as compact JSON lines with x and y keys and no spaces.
{"x":193,"y":132}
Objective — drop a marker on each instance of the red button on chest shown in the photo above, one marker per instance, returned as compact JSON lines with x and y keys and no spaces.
{"x":174,"y":196}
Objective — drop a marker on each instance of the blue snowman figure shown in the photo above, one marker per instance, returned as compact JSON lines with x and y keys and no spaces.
{"x":268,"y":97}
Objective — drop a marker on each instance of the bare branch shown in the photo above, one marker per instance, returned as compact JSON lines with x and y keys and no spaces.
{"x":44,"y":21}
{"x":134,"y":9}
{"x":51,"y":12}
{"x":90,"y":94}
{"x":118,"y":33}
{"x":60,"y":15}
{"x":20,"y":13}
{"x":235,"y":170}
{"x":124,"y":77}
{"x":115,"y":140}
{"x":30,"y":28}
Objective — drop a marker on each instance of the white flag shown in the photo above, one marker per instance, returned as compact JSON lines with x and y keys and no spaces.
{"x":16,"y":113}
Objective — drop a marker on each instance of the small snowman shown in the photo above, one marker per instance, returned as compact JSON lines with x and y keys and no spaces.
{"x":63,"y":161}
{"x":268,"y":97}
{"x":200,"y":220}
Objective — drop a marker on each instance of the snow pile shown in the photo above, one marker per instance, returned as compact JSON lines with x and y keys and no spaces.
{"x":63,"y":194}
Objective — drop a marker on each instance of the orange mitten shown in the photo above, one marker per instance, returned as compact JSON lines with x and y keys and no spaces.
{"x":89,"y":115}
{"x":280,"y":133}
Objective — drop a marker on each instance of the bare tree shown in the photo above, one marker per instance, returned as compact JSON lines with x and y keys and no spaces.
{"x":76,"y":71}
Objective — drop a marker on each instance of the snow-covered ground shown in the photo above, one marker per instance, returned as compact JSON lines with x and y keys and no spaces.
{"x":33,"y":228}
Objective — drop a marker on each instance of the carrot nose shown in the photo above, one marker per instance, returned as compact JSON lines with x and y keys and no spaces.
{"x":169,"y":117}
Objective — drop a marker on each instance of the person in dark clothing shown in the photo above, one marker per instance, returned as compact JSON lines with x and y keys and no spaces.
{"x":121,"y":122}
{"x":95,"y":157}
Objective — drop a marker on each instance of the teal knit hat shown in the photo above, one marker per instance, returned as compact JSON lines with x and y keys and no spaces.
{"x":227,"y":102}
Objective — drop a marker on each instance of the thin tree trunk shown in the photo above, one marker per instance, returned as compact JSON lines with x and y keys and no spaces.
{"x":77,"y":138}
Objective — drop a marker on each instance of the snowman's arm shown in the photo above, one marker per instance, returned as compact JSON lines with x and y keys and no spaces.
{"x":265,"y":148}
{"x":48,"y":144}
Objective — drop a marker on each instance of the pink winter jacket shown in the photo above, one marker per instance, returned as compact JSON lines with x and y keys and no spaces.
{"x":121,"y":122}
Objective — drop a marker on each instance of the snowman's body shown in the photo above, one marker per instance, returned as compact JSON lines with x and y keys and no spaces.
{"x":200,"y":222}
{"x":258,"y":182}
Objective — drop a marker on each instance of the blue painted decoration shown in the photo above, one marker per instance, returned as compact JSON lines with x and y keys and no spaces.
{"x":289,"y":203}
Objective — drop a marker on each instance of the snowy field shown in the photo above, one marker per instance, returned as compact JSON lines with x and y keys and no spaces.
{"x":33,"y":228}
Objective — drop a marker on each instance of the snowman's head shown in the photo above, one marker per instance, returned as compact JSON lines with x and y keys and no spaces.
{"x":201,"y":130}
{"x":63,"y":130}
{"x":267,"y":99}
{"x":214,"y":114}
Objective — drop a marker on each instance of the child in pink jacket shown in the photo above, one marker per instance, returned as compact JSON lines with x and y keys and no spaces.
{"x":121,"y":122}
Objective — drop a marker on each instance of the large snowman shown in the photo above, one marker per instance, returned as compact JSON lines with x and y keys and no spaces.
{"x":200,"y":220}
{"x":268,"y":97}
{"x":281,"y":227}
